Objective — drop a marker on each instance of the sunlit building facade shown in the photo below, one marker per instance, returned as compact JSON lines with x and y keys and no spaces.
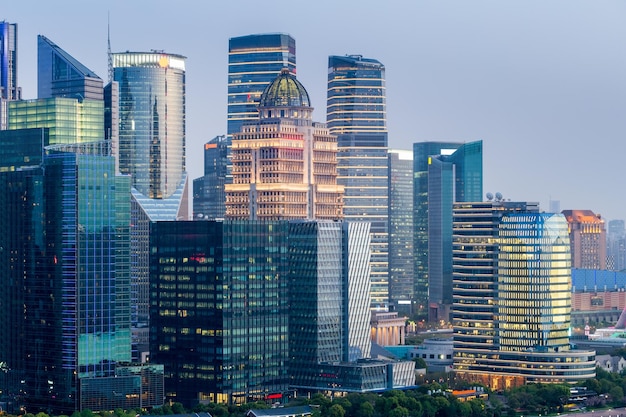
{"x":587,"y":235}
{"x":285,"y":165}
{"x":507,"y":332}
{"x":356,"y":114}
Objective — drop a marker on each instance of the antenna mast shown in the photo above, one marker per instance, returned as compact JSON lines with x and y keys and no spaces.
{"x":109,"y":55}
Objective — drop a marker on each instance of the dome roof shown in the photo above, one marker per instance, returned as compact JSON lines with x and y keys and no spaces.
{"x":285,"y":91}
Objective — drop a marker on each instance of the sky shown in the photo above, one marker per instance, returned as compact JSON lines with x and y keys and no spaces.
{"x":541,"y":83}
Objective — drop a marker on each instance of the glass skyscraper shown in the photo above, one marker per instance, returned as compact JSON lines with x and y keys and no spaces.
{"x":219,"y":309}
{"x":152,"y":152}
{"x":254,"y":61}
{"x":443,"y":173}
{"x":356,"y":113}
{"x":401,"y":230}
{"x":512,"y":297}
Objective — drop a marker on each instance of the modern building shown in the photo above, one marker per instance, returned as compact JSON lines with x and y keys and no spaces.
{"x":597,"y":296}
{"x":61,"y":75}
{"x":507,"y":257}
{"x":587,"y":235}
{"x":152,"y":151}
{"x":209,"y":197}
{"x":444,"y":173}
{"x":9,"y":89}
{"x":219,"y":309}
{"x":329,"y":336}
{"x":356,"y":114}
{"x":436,"y":352}
{"x":616,"y":246}
{"x":401,"y":230}
{"x":285,"y":165}
{"x":254,"y":62}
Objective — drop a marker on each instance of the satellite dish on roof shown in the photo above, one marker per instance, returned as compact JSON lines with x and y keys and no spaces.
{"x":498,"y":196}
{"x":489,"y":196}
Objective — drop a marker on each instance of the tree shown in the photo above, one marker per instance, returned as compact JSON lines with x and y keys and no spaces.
{"x":336,"y":410}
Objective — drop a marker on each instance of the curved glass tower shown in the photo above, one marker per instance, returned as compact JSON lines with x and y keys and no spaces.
{"x":152,"y":120}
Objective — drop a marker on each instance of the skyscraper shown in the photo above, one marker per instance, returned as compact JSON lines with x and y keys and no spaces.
{"x":254,"y":61}
{"x":507,"y":332}
{"x":356,"y":113}
{"x":587,"y":236}
{"x":284,"y":166}
{"x":616,"y":246}
{"x":152,"y":152}
{"x":401,"y":230}
{"x":9,"y":89}
{"x":61,"y":75}
{"x":444,"y":173}
{"x":219,"y":310}
{"x":209,"y":196}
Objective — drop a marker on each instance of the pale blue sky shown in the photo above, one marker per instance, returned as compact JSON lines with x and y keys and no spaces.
{"x":542,"y":83}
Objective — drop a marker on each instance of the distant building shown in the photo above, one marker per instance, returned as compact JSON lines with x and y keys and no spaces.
{"x":9,"y":89}
{"x":209,"y":197}
{"x":496,"y":291}
{"x":356,"y":114}
{"x":388,"y":329}
{"x":444,"y":173}
{"x":597,"y":295}
{"x":587,"y":238}
{"x":401,"y":231}
{"x":616,"y":246}
{"x":436,"y":352}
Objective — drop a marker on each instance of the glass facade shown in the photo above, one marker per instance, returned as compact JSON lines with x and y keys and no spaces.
{"x":68,"y":120}
{"x":61,"y":75}
{"x":9,"y":89}
{"x":401,"y":230}
{"x":209,"y":196}
{"x":219,"y":309}
{"x":152,"y":120}
{"x":443,"y":173}
{"x":512,"y":297}
{"x":254,"y":61}
{"x":356,"y":113}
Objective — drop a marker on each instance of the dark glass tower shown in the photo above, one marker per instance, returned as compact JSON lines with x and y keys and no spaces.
{"x":208,"y":191}
{"x":401,"y":230}
{"x":356,"y":113}
{"x":254,"y":61}
{"x":219,"y":309}
{"x":444,"y":173}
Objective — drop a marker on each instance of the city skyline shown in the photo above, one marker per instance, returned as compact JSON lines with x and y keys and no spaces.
{"x":541,"y":82}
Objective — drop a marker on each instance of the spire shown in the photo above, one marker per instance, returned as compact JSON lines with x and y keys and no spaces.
{"x":109,"y":55}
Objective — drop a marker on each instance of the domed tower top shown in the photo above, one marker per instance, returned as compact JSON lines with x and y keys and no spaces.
{"x":285,"y":91}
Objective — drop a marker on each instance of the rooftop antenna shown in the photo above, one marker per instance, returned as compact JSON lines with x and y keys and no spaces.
{"x":109,"y":55}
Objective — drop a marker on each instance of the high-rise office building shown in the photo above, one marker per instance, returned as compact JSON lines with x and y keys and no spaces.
{"x":152,"y":151}
{"x":285,"y":165}
{"x":507,"y":332}
{"x":209,"y":196}
{"x":587,"y":236}
{"x":61,"y":75}
{"x":616,"y":246}
{"x":444,"y":173}
{"x":356,"y":113}
{"x":254,"y":61}
{"x":219,"y":309}
{"x":9,"y":89}
{"x":401,"y":230}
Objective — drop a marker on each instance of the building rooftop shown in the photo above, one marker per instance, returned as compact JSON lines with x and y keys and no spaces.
{"x":285,"y":91}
